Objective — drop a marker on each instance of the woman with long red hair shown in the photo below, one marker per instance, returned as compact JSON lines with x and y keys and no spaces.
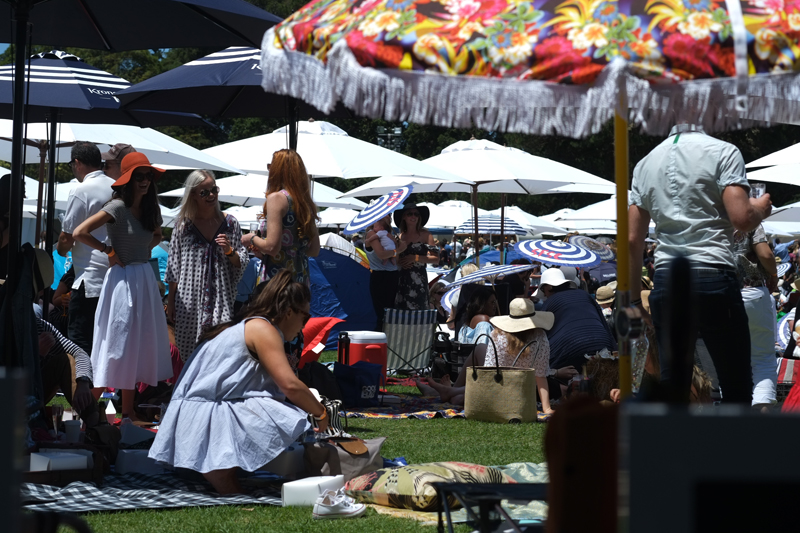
{"x":289,"y":234}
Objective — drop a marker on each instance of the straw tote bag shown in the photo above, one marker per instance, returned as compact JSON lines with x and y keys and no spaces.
{"x":500,"y":393}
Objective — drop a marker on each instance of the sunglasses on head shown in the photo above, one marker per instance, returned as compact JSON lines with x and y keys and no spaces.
{"x":205,"y":192}
{"x":144,"y":175}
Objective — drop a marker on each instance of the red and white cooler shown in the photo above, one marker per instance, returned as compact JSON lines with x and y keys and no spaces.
{"x":369,"y":346}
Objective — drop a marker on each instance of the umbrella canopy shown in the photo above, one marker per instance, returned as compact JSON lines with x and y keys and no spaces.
{"x":225,"y":84}
{"x":378,"y":209}
{"x":327,"y":151}
{"x":451,"y":214}
{"x":489,"y":272}
{"x":558,"y":253}
{"x":403,"y":59}
{"x":336,"y":217}
{"x":490,"y":225}
{"x":788,"y":173}
{"x":501,"y":169}
{"x":787,"y":156}
{"x":530,"y":222}
{"x":162,"y":150}
{"x":141,"y":24}
{"x":249,"y":191}
{"x":603,"y":210}
{"x":787,"y":213}
{"x":602,"y":251}
{"x":79,"y":92}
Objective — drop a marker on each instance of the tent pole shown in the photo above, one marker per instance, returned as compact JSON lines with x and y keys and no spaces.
{"x":475,"y":219}
{"x":502,"y":228}
{"x":621,"y":166}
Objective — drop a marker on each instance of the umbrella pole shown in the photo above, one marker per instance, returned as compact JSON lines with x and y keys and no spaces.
{"x":475,"y":219}
{"x":21,"y":14}
{"x":502,"y":228}
{"x":623,"y":266}
{"x":294,"y":116}
{"x":51,"y":184}
{"x":40,"y":197}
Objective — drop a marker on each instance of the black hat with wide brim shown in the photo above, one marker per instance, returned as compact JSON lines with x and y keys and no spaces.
{"x":424,"y":213}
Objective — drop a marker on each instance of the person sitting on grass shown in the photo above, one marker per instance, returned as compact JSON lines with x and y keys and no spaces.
{"x":521,"y":328}
{"x":238,"y":402}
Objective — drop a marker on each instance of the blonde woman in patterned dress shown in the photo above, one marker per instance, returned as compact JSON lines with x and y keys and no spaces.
{"x":289,"y":236}
{"x":206,"y":262}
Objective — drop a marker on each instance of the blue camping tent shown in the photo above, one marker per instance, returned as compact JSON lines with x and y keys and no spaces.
{"x":340,"y":288}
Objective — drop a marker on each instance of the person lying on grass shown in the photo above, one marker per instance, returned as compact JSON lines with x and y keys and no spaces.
{"x":238,"y":403}
{"x":521,"y":342}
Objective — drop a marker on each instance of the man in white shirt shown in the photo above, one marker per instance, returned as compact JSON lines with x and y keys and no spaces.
{"x":90,"y":265}
{"x":695,"y":189}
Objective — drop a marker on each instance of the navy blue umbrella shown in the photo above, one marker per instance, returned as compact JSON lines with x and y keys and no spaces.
{"x":225,"y":84}
{"x":78,"y":92}
{"x":139,"y":24}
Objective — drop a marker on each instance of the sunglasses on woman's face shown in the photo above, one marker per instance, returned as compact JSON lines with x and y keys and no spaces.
{"x":145,"y":175}
{"x":205,"y":192}
{"x":413,"y":214}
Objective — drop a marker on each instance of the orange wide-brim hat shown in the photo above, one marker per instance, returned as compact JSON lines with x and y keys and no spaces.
{"x":130,"y":163}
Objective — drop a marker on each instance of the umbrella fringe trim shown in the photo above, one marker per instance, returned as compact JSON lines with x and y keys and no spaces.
{"x":529,"y":106}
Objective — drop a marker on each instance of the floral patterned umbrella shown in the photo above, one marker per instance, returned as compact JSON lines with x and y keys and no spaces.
{"x":496,"y":63}
{"x":546,"y":67}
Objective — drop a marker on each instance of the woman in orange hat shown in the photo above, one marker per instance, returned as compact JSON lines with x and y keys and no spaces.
{"x":131,"y":343}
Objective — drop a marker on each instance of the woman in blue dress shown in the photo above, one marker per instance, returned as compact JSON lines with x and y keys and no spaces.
{"x":238,"y":403}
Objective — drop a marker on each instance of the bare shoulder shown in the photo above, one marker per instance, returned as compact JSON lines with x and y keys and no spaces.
{"x":261,"y":330}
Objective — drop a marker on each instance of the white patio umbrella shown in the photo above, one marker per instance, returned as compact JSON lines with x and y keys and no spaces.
{"x":336,"y":217}
{"x":530,"y":222}
{"x":781,"y":229}
{"x":451,"y":214}
{"x":162,"y":150}
{"x":327,"y":151}
{"x":249,"y":191}
{"x":789,"y":174}
{"x":557,"y":215}
{"x":491,"y":225}
{"x":787,"y":156}
{"x":603,"y":210}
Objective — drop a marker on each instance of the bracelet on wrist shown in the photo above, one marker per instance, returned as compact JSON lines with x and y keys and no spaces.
{"x":323,"y":416}
{"x":112,"y":253}
{"x":229,"y":252}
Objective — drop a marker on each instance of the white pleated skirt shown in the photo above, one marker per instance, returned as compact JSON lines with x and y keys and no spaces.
{"x":131,"y":343}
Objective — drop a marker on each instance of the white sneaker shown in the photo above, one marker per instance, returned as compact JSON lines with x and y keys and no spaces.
{"x":337,"y":505}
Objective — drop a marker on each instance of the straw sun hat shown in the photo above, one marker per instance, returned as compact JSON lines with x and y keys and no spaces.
{"x":522,"y":316}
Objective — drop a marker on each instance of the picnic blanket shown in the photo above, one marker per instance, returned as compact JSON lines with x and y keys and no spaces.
{"x":137,"y":491}
{"x":419,"y":407}
{"x":410,"y":406}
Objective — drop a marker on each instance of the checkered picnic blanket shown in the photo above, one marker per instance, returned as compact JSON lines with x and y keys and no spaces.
{"x":135,"y":491}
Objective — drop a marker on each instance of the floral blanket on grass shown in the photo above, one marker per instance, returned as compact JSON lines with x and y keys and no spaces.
{"x":420,"y":407}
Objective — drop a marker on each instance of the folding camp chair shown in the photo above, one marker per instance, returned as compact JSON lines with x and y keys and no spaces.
{"x":409,"y":338}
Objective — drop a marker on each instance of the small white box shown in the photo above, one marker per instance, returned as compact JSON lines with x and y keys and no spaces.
{"x":136,"y":461}
{"x":86,"y":453}
{"x":306,"y":491}
{"x":57,"y":461}
{"x":288,"y":464}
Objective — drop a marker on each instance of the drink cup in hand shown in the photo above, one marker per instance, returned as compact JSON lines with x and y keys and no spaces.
{"x":757,"y":190}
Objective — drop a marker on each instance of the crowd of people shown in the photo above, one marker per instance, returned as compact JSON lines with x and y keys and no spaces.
{"x":237,"y":401}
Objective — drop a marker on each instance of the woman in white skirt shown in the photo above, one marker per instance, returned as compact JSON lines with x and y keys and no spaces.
{"x":238,"y":403}
{"x":131,"y":343}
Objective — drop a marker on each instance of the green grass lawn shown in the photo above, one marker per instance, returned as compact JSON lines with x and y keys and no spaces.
{"x":419,"y":441}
